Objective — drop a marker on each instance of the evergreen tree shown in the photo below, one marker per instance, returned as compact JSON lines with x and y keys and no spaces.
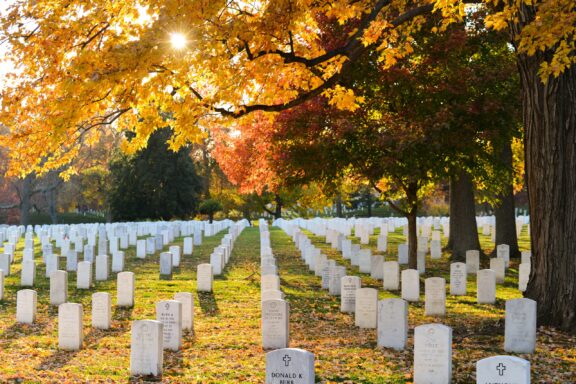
{"x":155,"y":183}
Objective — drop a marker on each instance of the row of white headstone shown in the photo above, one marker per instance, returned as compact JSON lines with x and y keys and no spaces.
{"x":151,"y":337}
{"x":390,"y":316}
{"x":432,"y":362}
{"x":275,"y":312}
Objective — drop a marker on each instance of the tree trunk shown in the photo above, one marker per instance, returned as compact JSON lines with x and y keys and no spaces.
{"x":207,"y":169}
{"x":26,"y":199}
{"x":412,"y":213}
{"x":278,"y":210}
{"x":504,"y":210}
{"x":463,"y":228}
{"x":369,"y":203}
{"x":52,"y":202}
{"x":339,"y":205}
{"x":412,"y":240}
{"x":549,"y":112}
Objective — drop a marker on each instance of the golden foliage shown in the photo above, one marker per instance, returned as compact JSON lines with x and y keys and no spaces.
{"x":85,"y":65}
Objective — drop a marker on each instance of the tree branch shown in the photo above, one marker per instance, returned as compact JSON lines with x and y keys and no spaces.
{"x":9,"y":206}
{"x":396,"y":207}
{"x":352,"y":50}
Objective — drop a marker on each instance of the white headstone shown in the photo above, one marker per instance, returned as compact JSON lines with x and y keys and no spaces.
{"x":435,"y":296}
{"x":70,"y":333}
{"x":188,"y":246}
{"x":365,"y":260}
{"x":421,"y":262}
{"x":435,"y":249}
{"x":348,"y":287}
{"x":118,"y":261}
{"x":125,"y":286}
{"x":102,"y":268}
{"x":272,"y":294}
{"x":71,"y":261}
{"x":290,"y":366}
{"x":498,"y":265}
{"x":175,"y":251}
{"x":146,"y":348}
{"x":392,"y":323}
{"x":26,"y":305}
{"x":377,"y":267}
{"x":165,"y":266}
{"x":5,"y":263}
{"x":382,"y":244}
{"x":486,"y":286}
{"x":523,"y":276}
{"x":503,"y":252}
{"x":432,"y":354}
{"x":458,"y":279}
{"x":58,"y":287}
{"x":217,"y":261}
{"x":410,"y":285}
{"x":520,"y":327}
{"x":204,"y":278}
{"x":472,"y":261}
{"x":28,"y":274}
{"x":141,"y":249}
{"x":391,"y":275}
{"x":366,"y":312}
{"x":169,"y":313}
{"x":402,"y":253}
{"x":335,"y":285}
{"x":101,"y":310}
{"x":269,"y":282}
{"x":89,"y":253}
{"x":526,"y":257}
{"x":84,"y":275}
{"x":52,"y":264}
{"x":503,"y":370}
{"x":187,"y":301}
{"x":275,"y":324}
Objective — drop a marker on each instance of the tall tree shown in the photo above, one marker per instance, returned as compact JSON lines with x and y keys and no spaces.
{"x":155,"y":183}
{"x":112,"y":64}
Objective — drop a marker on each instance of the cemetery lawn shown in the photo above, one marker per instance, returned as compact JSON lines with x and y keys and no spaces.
{"x":226,"y":344}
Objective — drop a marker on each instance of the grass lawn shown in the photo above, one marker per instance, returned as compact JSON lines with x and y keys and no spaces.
{"x":225,"y":347}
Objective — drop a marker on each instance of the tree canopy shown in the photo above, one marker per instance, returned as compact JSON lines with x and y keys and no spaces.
{"x":81,"y":66}
{"x":155,"y":183}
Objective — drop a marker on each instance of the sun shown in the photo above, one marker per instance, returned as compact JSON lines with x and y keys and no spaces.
{"x":178,"y":40}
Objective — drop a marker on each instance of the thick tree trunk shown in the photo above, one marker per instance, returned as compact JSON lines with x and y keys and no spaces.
{"x":278,"y":210}
{"x":549,"y":112}
{"x":463,"y":228}
{"x":504,"y":210}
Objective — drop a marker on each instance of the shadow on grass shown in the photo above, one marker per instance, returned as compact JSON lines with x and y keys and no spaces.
{"x":60,"y":358}
{"x":208,"y":303}
{"x":123,"y":313}
{"x":18,"y":330}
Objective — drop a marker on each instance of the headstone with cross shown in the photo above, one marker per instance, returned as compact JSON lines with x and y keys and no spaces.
{"x":289,"y":365}
{"x":503,"y":370}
